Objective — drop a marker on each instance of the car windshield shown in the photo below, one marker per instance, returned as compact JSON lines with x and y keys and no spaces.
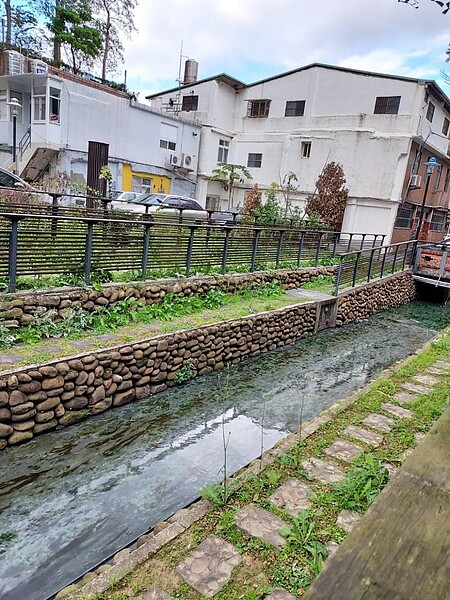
{"x":150,"y":199}
{"x":114,"y":194}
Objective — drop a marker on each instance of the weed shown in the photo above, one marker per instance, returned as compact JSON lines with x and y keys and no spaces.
{"x":7,"y":337}
{"x":187,"y":372}
{"x":6,"y":538}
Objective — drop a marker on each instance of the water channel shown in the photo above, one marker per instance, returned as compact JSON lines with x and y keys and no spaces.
{"x":74,"y":497}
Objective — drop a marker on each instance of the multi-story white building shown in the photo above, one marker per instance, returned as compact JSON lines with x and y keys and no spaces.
{"x":61,"y":113}
{"x":375,"y":125}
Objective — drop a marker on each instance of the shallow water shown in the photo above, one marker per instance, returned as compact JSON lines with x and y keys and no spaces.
{"x":76,"y":496}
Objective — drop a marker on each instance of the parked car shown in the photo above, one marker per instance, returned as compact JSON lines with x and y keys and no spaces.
{"x":15,"y":191}
{"x":11,"y":180}
{"x":125,"y":200}
{"x":170,"y":206}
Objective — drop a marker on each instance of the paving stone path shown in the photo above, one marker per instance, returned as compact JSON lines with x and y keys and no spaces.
{"x":210,"y":565}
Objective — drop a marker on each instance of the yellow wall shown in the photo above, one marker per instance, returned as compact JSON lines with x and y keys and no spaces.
{"x":161,"y":184}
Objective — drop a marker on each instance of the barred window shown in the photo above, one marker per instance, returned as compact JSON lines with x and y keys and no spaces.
{"x":254,"y":160}
{"x":437,"y":221}
{"x":387,"y":105}
{"x":258,"y":108}
{"x":189,"y":103}
{"x":445,"y":126}
{"x":430,"y":112}
{"x":404,"y":217}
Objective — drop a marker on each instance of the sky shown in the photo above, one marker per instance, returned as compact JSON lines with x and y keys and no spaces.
{"x":254,"y":39}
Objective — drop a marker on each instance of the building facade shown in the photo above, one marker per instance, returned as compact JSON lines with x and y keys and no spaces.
{"x":375,"y":125}
{"x":61,"y":112}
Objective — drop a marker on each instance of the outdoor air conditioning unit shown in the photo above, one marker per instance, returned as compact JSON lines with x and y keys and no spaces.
{"x":38,"y":66}
{"x":187,"y":161}
{"x":415,"y":182}
{"x":174,"y":160}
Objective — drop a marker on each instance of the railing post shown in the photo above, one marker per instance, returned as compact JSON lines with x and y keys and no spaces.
{"x":355,"y":270}
{"x":88,"y":252}
{"x":226,"y":245}
{"x":12,"y":254}
{"x":279,"y":248}
{"x":350,"y":242}
{"x":337,"y":280}
{"x":395,"y":259}
{"x":335,"y":243}
{"x":363,"y":239}
{"x":404,"y":256}
{"x":254,"y":249}
{"x":318,"y":249}
{"x":145,"y":245}
{"x":300,"y":248}
{"x":189,"y":250}
{"x":383,"y":262}
{"x":54,"y":226}
{"x":369,"y":272}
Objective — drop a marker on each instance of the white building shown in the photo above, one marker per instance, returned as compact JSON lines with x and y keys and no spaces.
{"x":373,"y":124}
{"x":61,"y":112}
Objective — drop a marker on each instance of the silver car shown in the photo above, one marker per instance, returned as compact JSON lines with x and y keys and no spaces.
{"x":171,"y":206}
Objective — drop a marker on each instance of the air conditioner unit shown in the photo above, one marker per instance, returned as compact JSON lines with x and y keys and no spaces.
{"x":175,"y":161}
{"x":187,"y":161}
{"x":415,"y":182}
{"x":38,"y":67}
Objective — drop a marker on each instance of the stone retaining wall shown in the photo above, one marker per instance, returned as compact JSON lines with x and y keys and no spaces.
{"x":40,"y":398}
{"x":18,"y":310}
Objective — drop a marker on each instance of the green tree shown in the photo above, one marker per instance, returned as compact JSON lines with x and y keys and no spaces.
{"x":269,"y":213}
{"x":113,"y":18}
{"x":230,"y":175}
{"x":71,"y":28}
{"x":330,"y":197}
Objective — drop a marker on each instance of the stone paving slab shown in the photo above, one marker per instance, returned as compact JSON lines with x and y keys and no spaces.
{"x":442,"y":363}
{"x":292,"y":496}
{"x":348,"y":520}
{"x":260,"y":523}
{"x":435,"y":371}
{"x":280,"y":594}
{"x":331,"y":546}
{"x":403,"y":398}
{"x":9,"y":359}
{"x":369,"y":437}
{"x":152,"y":594}
{"x":209,"y":566}
{"x":343,"y":450}
{"x":322,"y":470}
{"x":397,"y":411}
{"x":417,"y":389}
{"x":426,"y":379}
{"x":379,"y":422}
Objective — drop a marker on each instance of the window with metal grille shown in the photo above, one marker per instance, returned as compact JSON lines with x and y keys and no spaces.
{"x":306,"y":149}
{"x":294,"y":108}
{"x":430,"y":112}
{"x":437,"y":180}
{"x":387,"y":105}
{"x":437,"y":221}
{"x":254,"y":160}
{"x":404,"y":217}
{"x":141,"y":184}
{"x":445,"y":126}
{"x":189,"y":103}
{"x":447,"y":180}
{"x":258,"y":108}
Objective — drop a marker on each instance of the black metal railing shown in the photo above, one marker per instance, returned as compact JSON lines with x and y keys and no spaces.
{"x":372,"y":263}
{"x":52,"y":244}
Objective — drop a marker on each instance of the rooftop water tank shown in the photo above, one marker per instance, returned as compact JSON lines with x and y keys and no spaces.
{"x":190,"y":71}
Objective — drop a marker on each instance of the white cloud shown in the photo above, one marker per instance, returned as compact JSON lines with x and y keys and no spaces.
{"x":253,"y":39}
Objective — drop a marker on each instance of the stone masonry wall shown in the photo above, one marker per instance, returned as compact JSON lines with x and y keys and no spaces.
{"x":367,"y":299}
{"x":37,"y":399}
{"x":18,"y":310}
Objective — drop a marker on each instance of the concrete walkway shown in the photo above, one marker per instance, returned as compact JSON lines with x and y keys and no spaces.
{"x":401,"y":547}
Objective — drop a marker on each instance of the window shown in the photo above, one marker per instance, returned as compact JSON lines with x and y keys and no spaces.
{"x":306,"y":150}
{"x":294,"y":108}
{"x":430,"y":112}
{"x":168,"y":136}
{"x":447,"y":180}
{"x":55,"y":105}
{"x":387,"y":105}
{"x":167,"y":145}
{"x":437,"y":221}
{"x":141,"y":184}
{"x":404,"y":217}
{"x":222,"y":155}
{"x":437,"y":179}
{"x":190,"y":103}
{"x":258,"y":108}
{"x":445,"y":126}
{"x":254,"y":160}
{"x":39,"y":103}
